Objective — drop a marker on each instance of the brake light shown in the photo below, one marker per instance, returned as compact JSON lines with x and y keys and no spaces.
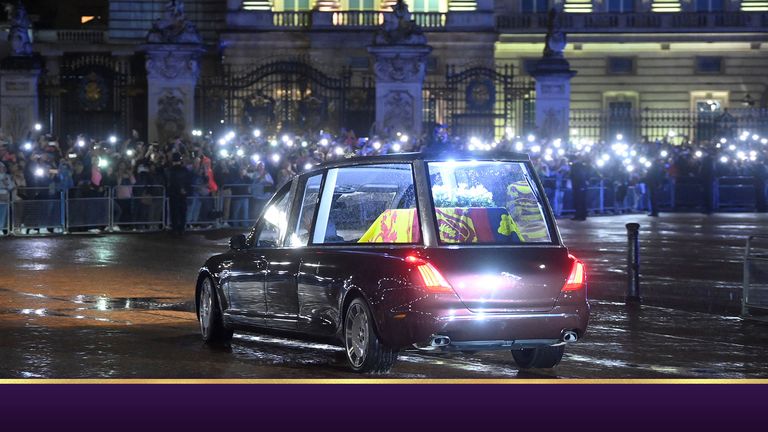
{"x":578,"y":276}
{"x":429,"y":276}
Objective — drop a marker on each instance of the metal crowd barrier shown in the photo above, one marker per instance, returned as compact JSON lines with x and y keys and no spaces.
{"x":140,"y":208}
{"x":735,"y":193}
{"x":202,"y":211}
{"x":5,"y":216}
{"x":754,"y":301}
{"x":39,"y":208}
{"x":88,"y":209}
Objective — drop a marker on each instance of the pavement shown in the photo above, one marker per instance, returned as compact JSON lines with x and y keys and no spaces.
{"x":120,"y":306}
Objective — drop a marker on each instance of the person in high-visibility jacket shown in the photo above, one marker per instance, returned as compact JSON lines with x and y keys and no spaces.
{"x":525,"y":210}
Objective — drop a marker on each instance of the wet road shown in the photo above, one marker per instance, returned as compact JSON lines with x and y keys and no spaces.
{"x":119,"y":306}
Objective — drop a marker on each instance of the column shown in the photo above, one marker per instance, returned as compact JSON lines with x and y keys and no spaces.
{"x":173,"y":50}
{"x":553,"y":84}
{"x":19,"y":102}
{"x":400,"y":57}
{"x":172,"y":74}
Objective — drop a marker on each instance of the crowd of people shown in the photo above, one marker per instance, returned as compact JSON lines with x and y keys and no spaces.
{"x":241,"y":167}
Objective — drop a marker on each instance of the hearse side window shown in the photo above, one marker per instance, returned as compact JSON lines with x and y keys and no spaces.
{"x":368,"y":204}
{"x":307,"y":210}
{"x":274,"y":223}
{"x":487,"y":202}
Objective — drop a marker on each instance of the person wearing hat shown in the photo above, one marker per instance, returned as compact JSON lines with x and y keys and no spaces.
{"x":179,"y":186}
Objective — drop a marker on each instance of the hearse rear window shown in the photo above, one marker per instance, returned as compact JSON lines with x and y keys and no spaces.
{"x":368,"y":204}
{"x":487,"y":202}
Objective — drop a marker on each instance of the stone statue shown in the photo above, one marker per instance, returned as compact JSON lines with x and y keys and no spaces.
{"x":399,"y":28}
{"x":18,"y":33}
{"x":173,"y":27}
{"x":555,"y":41}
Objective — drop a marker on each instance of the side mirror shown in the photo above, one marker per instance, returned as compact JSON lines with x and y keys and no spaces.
{"x":237,"y":242}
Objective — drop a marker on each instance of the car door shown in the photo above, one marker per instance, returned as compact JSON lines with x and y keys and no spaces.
{"x":282,"y":265}
{"x":249,"y":266}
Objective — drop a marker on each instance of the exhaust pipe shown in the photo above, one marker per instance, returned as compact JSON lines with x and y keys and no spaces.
{"x":439,"y":341}
{"x":570,"y":336}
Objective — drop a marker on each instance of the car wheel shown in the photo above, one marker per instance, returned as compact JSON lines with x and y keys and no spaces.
{"x":542,"y":357}
{"x":365,"y":352}
{"x":209,"y":315}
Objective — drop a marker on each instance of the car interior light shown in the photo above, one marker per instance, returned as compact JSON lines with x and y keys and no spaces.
{"x":577,"y":277}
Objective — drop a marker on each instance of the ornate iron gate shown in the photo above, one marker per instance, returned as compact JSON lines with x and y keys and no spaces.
{"x":95,"y":94}
{"x":480,"y":101}
{"x":285,"y":95}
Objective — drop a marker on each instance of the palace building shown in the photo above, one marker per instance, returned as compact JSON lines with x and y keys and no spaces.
{"x":644,"y":68}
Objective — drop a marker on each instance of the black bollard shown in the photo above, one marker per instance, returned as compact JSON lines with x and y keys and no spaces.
{"x":633,"y":263}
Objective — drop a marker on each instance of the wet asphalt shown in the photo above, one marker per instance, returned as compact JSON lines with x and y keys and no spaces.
{"x":120,"y":306}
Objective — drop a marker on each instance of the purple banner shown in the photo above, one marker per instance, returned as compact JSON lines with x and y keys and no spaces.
{"x":251,"y":407}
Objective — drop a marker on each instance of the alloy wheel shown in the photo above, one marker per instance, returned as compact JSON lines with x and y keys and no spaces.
{"x":356,"y":334}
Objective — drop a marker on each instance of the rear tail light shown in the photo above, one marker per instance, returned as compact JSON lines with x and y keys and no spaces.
{"x":577,"y":278}
{"x":428,"y":276}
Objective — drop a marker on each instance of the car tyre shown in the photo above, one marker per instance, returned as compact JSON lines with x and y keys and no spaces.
{"x":364,"y":350}
{"x":210,"y":317}
{"x":540,"y":358}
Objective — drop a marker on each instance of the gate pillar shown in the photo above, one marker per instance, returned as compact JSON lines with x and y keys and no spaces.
{"x":19,"y":74}
{"x":400,"y":53}
{"x":173,"y":49}
{"x":553,"y":83}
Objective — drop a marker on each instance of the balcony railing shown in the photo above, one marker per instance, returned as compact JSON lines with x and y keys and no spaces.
{"x":355,"y":20}
{"x":70,"y":36}
{"x":637,"y":22}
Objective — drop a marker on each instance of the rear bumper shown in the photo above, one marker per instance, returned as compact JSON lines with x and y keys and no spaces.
{"x":477,"y":331}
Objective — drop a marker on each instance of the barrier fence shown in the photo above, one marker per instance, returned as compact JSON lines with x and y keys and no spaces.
{"x":132,"y":207}
{"x":754,"y":302}
{"x":146,"y":207}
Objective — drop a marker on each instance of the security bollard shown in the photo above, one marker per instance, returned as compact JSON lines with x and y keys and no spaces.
{"x":633,"y":263}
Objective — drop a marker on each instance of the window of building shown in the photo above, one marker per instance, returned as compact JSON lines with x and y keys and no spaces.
{"x":362,"y":5}
{"x":425,"y":5}
{"x":368,"y":204}
{"x":665,"y":6}
{"x":709,"y":65}
{"x":621,"y":65}
{"x":708,"y":5}
{"x":535,"y":6}
{"x":297,"y":5}
{"x":359,"y":63}
{"x":620,"y":6}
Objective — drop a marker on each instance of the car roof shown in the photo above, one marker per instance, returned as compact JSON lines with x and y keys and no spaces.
{"x":428,"y":155}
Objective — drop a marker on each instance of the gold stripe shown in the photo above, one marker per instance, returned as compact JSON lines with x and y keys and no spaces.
{"x":566,"y":381}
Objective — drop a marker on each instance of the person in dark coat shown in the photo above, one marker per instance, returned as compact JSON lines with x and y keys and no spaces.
{"x":707,"y":175}
{"x":179,"y":185}
{"x":654,"y":179}
{"x":579,"y":179}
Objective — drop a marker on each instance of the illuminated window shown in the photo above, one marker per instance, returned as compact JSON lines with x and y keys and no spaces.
{"x":708,"y":5}
{"x":425,"y":5}
{"x":578,"y":6}
{"x":86,"y":19}
{"x":666,"y":6}
{"x":297,"y":5}
{"x":535,"y":6}
{"x":754,"y":5}
{"x":619,"y":6}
